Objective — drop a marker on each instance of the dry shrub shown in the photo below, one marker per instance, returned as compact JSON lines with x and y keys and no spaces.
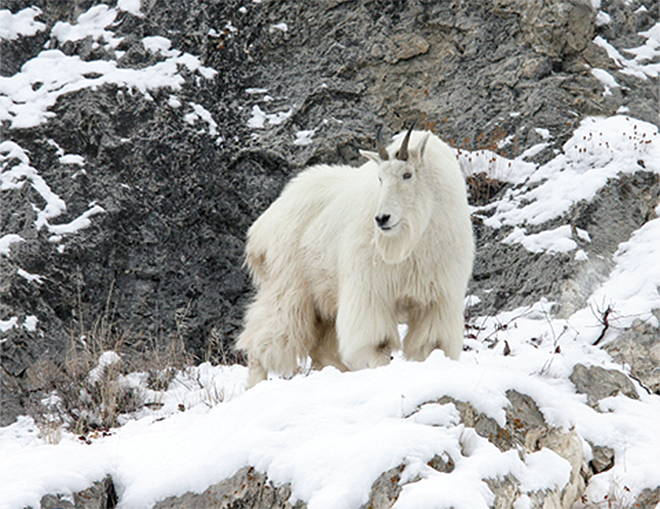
{"x":79,"y":394}
{"x":482,"y":188}
{"x":83,"y":395}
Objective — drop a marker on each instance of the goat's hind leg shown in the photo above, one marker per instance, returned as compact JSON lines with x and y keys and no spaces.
{"x":256,"y":372}
{"x":279,"y":330}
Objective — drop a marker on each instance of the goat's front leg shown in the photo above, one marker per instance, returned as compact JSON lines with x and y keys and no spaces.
{"x":366,"y":329}
{"x":436,"y":325}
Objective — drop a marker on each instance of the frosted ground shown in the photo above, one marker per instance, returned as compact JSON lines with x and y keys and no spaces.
{"x":311,"y":430}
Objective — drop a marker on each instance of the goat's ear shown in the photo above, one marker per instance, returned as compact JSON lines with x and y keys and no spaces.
{"x":421,"y":147}
{"x":372,"y":156}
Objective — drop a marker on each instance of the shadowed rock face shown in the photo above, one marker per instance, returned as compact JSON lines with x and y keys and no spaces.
{"x":163,"y":263}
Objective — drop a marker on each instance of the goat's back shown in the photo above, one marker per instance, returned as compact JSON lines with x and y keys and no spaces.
{"x":274,"y":240}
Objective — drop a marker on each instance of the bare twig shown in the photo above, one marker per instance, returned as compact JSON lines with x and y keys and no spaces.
{"x":606,"y":325}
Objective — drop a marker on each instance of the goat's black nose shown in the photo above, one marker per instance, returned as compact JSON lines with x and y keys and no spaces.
{"x":382,"y":220}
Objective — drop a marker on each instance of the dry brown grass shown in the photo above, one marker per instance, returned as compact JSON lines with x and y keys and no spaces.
{"x":82,"y":396}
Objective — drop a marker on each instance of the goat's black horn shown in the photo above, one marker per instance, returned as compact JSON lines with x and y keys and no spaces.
{"x":382,"y":153}
{"x":402,"y":154}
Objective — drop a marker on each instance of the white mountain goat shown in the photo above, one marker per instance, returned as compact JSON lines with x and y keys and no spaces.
{"x":345,"y":254}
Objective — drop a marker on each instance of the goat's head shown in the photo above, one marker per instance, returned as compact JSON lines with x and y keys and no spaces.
{"x":404,"y":202}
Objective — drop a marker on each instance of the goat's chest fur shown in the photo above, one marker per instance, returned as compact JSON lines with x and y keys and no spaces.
{"x":339,"y":253}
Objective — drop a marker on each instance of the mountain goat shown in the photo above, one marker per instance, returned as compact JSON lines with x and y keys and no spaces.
{"x":345,"y":254}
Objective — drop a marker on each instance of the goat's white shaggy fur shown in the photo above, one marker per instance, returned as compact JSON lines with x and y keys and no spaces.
{"x":345,"y":254}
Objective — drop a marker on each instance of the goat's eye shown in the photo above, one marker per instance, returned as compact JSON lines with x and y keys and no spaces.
{"x":407,"y":175}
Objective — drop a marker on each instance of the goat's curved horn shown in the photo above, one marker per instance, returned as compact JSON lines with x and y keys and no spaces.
{"x":382,"y":153}
{"x":402,"y":153}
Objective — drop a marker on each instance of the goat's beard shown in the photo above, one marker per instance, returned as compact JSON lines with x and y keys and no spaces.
{"x":395,"y":246}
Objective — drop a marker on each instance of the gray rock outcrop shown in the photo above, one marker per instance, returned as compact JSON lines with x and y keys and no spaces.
{"x":101,"y":495}
{"x":599,"y":383}
{"x":639,"y":348}
{"x":246,"y":488}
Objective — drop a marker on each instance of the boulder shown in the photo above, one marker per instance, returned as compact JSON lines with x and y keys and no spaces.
{"x":639,"y":348}
{"x":101,"y":495}
{"x":527,"y":432}
{"x":599,"y":383}
{"x":247,"y":488}
{"x":648,"y":498}
{"x":559,"y":28}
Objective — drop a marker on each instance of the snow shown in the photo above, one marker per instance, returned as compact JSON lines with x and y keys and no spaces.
{"x":331,"y":434}
{"x":65,"y":158}
{"x":645,"y":62}
{"x":79,"y":223}
{"x":602,"y":18}
{"x":22,"y":23}
{"x":27,"y":104}
{"x":558,"y":240}
{"x":606,"y":79}
{"x":14,"y":177}
{"x":495,"y":165}
{"x":308,"y":431}
{"x":10,"y":323}
{"x":435,"y":414}
{"x":259,"y":117}
{"x":91,"y":23}
{"x":132,"y":6}
{"x":309,"y":439}
{"x":201,"y":113}
{"x":304,"y":138}
{"x":543,"y":133}
{"x":581,"y":255}
{"x":30,"y":277}
{"x":27,"y":96}
{"x":632,"y":287}
{"x":7,"y":240}
{"x":106,"y":360}
{"x":159,"y":45}
{"x":30,"y":323}
{"x":72,"y":159}
{"x":599,"y":150}
{"x":282,"y":27}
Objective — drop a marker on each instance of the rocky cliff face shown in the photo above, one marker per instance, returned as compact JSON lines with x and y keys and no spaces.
{"x":126,"y":198}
